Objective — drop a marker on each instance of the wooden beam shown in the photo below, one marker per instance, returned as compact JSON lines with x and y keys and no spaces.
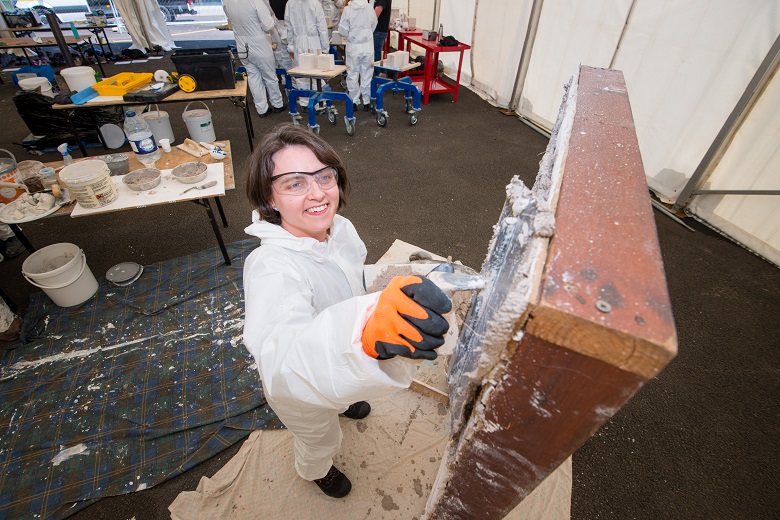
{"x":598,"y":322}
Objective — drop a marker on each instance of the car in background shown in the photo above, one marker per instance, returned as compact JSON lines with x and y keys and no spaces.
{"x":66,"y":10}
{"x":170,"y":8}
{"x":76,"y":10}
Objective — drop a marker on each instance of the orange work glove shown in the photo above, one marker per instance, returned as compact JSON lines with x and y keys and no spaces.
{"x":407,"y":320}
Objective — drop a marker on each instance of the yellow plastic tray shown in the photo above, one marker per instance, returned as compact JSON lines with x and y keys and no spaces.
{"x":122,"y":83}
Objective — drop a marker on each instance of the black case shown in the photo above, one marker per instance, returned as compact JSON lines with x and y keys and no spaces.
{"x":213,"y":69}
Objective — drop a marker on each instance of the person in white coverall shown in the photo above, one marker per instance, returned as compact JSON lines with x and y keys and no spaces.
{"x":332,"y":9}
{"x":357,"y":27}
{"x":251,"y":20}
{"x":306,"y":32}
{"x":322,"y":346}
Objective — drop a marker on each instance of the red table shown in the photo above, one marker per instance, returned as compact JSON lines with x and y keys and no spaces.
{"x":402,"y":33}
{"x":430,"y":83}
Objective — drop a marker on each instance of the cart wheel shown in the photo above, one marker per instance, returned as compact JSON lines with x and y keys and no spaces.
{"x":413,"y":119}
{"x":408,"y":104}
{"x":381,"y":119}
{"x":331,"y":117}
{"x":187,"y":83}
{"x":350,"y":127}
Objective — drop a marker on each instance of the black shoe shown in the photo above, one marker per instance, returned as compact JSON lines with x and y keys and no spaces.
{"x":280,"y":109}
{"x":354,"y":107}
{"x":265,"y":114}
{"x":335,"y":484}
{"x":358,"y":410}
{"x":12,"y":247}
{"x":367,"y":108}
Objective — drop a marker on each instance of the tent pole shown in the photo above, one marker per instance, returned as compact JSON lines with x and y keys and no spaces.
{"x":436,"y":15}
{"x":719,"y":145}
{"x":622,"y":34}
{"x":525,"y":57}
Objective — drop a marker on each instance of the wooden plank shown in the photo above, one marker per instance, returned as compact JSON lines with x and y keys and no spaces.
{"x":587,"y":329}
{"x":604,"y":292}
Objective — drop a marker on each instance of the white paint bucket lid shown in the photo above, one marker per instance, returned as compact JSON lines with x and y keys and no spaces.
{"x":83,"y":171}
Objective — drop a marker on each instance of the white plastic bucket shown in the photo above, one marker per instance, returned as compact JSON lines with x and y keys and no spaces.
{"x":90,"y":183}
{"x":34,"y":83}
{"x":79,"y":78}
{"x":61,"y":271}
{"x":198,"y":123}
{"x":160,"y":123}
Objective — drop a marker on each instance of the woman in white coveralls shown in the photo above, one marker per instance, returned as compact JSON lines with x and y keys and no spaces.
{"x":251,"y":20}
{"x":357,"y":27}
{"x":322,"y":346}
{"x":306,"y":32}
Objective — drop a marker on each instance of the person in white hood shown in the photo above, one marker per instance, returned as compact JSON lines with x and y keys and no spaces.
{"x":306,"y":32}
{"x":357,"y":27}
{"x":322,"y":346}
{"x":251,"y":20}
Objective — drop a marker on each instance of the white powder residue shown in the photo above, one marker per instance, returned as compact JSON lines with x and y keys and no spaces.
{"x":67,"y":453}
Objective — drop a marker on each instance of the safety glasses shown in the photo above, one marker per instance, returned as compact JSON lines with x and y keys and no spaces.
{"x":299,"y":183}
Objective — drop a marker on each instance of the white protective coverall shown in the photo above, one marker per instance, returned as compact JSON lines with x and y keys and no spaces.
{"x":305,"y":312}
{"x":357,"y":27}
{"x":332,"y":9}
{"x":306,"y":32}
{"x":251,"y":20}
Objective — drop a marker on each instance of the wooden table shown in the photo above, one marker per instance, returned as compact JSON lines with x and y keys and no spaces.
{"x":94,"y":29}
{"x":166,"y":161}
{"x":236,"y":95}
{"x":30,"y":43}
{"x":430,"y":83}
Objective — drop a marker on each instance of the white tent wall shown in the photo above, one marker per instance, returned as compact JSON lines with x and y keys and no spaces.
{"x":686,"y":66}
{"x":751,"y":162}
{"x":569,"y":34}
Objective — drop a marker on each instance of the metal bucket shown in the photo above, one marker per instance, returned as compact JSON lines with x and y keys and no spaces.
{"x":9,"y":173}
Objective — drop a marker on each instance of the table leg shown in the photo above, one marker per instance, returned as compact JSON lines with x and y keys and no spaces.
{"x":430,"y":67}
{"x":108,"y":42}
{"x":221,"y":212}
{"x":250,"y":131}
{"x":206,"y":204}
{"x":24,"y":50}
{"x":457,"y":79}
{"x":23,"y":239}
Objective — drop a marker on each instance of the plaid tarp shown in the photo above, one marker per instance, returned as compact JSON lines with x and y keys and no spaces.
{"x":131,"y":388}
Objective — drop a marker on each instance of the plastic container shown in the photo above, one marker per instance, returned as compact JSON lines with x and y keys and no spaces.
{"x":78,"y":78}
{"x":118,"y":163}
{"x":89,"y":182}
{"x":160,"y":123}
{"x":122,"y":83}
{"x":45,"y":71}
{"x":85,"y":95}
{"x":48,"y":177}
{"x":9,"y":172}
{"x":34,"y":83}
{"x":213,"y":69}
{"x":29,"y":174}
{"x":62,"y":272}
{"x":198,"y":121}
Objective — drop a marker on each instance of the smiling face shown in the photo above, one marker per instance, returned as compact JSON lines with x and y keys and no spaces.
{"x":311,"y":214}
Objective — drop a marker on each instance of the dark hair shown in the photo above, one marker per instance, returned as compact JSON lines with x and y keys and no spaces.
{"x":261,"y":166}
